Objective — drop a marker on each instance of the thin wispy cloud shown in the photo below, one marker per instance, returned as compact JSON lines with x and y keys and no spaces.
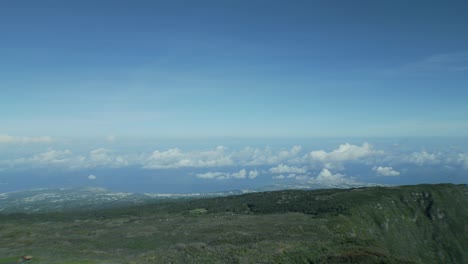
{"x":241,"y":174}
{"x":424,"y":158}
{"x":7,"y":139}
{"x":436,"y":64}
{"x":282,"y":168}
{"x":463,"y":159}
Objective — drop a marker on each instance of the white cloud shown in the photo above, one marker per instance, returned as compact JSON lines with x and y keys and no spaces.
{"x":52,"y":156}
{"x":279,"y":177}
{"x":328,"y":179}
{"x":437,"y":63}
{"x":345,"y":152}
{"x":267,"y":156}
{"x":24,"y":140}
{"x":294,"y":176}
{"x":336,"y":158}
{"x":385,"y":171}
{"x":111,"y":138}
{"x":325,"y":176}
{"x":423,"y":158}
{"x":463,"y":159}
{"x":212,"y":175}
{"x":92,"y":177}
{"x":176,"y":158}
{"x":241,"y":174}
{"x":253,"y":174}
{"x":287,"y":162}
{"x":105,"y":158}
{"x":67,"y":160}
{"x":299,"y":177}
{"x":172,"y":158}
{"x":282,"y":168}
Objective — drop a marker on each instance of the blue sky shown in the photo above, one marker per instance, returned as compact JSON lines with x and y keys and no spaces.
{"x":92,"y":87}
{"x":234,"y":68}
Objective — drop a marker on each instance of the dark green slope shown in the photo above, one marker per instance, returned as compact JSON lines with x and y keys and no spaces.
{"x":406,"y":224}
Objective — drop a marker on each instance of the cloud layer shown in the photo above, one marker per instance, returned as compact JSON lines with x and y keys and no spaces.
{"x":327,"y":167}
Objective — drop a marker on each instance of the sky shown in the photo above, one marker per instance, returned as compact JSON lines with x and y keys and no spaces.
{"x":144,"y":88}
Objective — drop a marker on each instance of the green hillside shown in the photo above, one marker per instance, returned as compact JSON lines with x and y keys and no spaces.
{"x":407,"y":224}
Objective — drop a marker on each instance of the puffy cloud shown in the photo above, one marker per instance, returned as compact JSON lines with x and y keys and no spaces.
{"x":212,"y":175}
{"x":253,"y":174}
{"x":345,"y":152}
{"x":285,"y":155}
{"x":291,"y":176}
{"x":282,"y":168}
{"x":291,"y":163}
{"x":105,"y":158}
{"x":298,"y":177}
{"x":67,"y":160}
{"x":423,"y":158}
{"x":92,"y":177}
{"x":239,"y":175}
{"x":328,"y":179}
{"x":176,"y":158}
{"x":23,"y":140}
{"x":110,"y":138}
{"x":242,"y":174}
{"x":385,"y":171}
{"x":167,"y":159}
{"x":279,"y":177}
{"x":52,"y":156}
{"x":267,"y":156}
{"x":325,"y":176}
{"x":463,"y":159}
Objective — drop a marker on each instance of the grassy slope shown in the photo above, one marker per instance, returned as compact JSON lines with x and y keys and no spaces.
{"x":409,"y":224}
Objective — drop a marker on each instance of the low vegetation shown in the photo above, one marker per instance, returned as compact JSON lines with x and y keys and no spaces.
{"x":407,"y":224}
